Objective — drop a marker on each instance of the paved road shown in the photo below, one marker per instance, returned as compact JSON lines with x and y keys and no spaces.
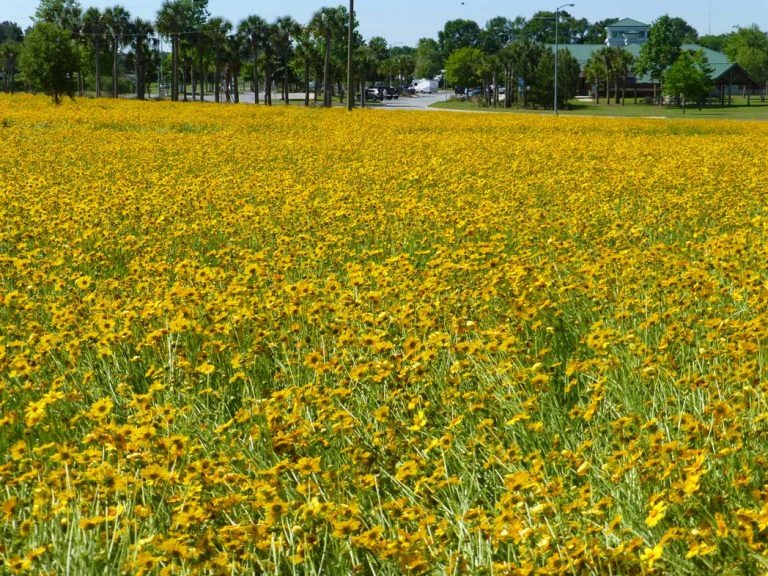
{"x":417,"y":102}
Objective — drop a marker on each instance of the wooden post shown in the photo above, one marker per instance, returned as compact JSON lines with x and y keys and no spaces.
{"x":350,"y":88}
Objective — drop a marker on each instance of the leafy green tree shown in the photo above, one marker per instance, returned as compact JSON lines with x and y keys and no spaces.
{"x":428,"y":58}
{"x":66,"y":14}
{"x":10,"y":32}
{"x":596,"y":32}
{"x":461,"y":68}
{"x":498,"y":32}
{"x":714,"y":41}
{"x":458,"y":34}
{"x":749,"y":48}
{"x":684,"y":31}
{"x":662,"y":49}
{"x":541,"y":27}
{"x":543,"y":87}
{"x":117,"y":21}
{"x":689,"y":78}
{"x":49,"y":60}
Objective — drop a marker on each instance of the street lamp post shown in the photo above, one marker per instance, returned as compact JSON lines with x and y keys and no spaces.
{"x":557,"y":21}
{"x":350,"y":90}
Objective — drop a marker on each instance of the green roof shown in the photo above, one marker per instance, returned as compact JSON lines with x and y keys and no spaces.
{"x":717,"y":60}
{"x":628,"y":23}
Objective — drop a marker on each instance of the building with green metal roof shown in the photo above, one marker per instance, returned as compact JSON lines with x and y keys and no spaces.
{"x":630,"y":35}
{"x":626,"y":32}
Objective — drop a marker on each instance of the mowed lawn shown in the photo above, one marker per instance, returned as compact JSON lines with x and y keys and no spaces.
{"x":243,"y":340}
{"x":739,"y":109}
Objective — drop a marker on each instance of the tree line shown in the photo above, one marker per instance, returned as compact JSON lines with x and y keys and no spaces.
{"x":73,"y":50}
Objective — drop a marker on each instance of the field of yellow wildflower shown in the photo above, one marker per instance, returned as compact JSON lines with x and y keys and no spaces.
{"x":237,"y":340}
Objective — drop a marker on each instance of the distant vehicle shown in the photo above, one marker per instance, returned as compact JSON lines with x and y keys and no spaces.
{"x":425,"y":85}
{"x":392,"y":92}
{"x":381,"y":93}
{"x":373,"y":94}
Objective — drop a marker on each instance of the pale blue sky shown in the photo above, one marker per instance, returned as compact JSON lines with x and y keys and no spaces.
{"x":405,"y":21}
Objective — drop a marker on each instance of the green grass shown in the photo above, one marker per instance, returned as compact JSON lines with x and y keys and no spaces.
{"x":739,"y":110}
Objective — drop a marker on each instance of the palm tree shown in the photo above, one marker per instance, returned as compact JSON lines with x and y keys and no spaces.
{"x":94,"y":27}
{"x":141,"y":30}
{"x":10,"y":52}
{"x":525,"y":56}
{"x":624,"y":62}
{"x":117,"y":21}
{"x":326,"y":23}
{"x":614,"y":64}
{"x":305,"y":53}
{"x":269,"y":62}
{"x":216,"y":31}
{"x":199,"y":42}
{"x":286,"y":30}
{"x":594,"y":73}
{"x":366,"y":63}
{"x":170,"y":22}
{"x":255,"y":29}
{"x":234,"y":61}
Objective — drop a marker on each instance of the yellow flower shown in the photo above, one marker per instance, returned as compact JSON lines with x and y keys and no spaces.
{"x":656,"y":514}
{"x":650,"y":556}
{"x":206,"y":369}
{"x":101,"y":409}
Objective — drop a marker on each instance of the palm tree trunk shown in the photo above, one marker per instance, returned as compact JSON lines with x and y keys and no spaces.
{"x":114,"y":69}
{"x":175,"y":64}
{"x":268,"y":81}
{"x":327,"y":70}
{"x":236,"y":86}
{"x":200,"y":73}
{"x":508,"y":87}
{"x":306,"y":81}
{"x":138,"y":68}
{"x":255,"y":76}
{"x":217,"y":83}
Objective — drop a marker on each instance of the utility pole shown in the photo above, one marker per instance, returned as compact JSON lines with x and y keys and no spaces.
{"x":350,"y":89}
{"x":557,"y":21}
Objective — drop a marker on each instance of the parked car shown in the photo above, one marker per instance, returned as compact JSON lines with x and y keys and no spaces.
{"x":381,"y":93}
{"x":373,"y":94}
